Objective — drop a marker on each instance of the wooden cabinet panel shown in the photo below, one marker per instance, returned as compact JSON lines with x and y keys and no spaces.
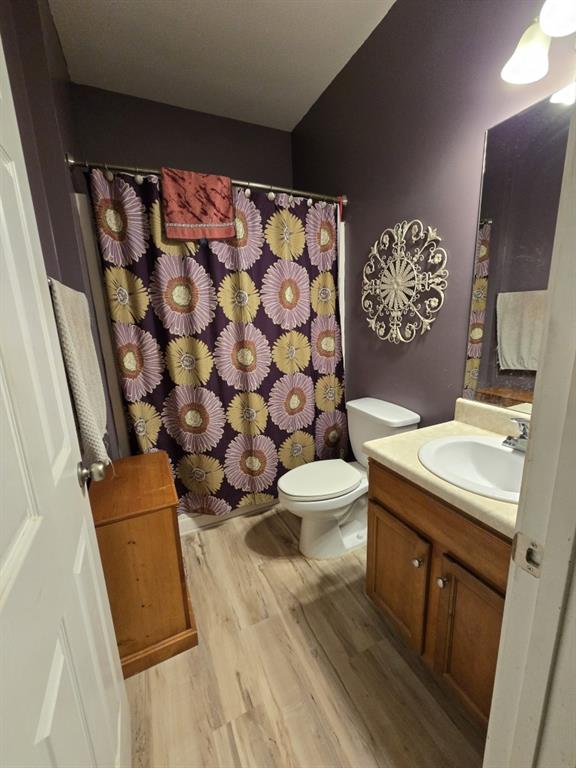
{"x":456,"y":629}
{"x":397,"y":575}
{"x":141,"y":565}
{"x":484,"y":551}
{"x":134,"y":510}
{"x":469,"y":621}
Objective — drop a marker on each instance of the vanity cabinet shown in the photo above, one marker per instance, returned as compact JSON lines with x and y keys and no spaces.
{"x":439,"y":578}
{"x":467,"y":632}
{"x":399,"y":584}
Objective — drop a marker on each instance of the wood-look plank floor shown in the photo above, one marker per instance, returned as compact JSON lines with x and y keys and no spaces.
{"x":294,"y":668}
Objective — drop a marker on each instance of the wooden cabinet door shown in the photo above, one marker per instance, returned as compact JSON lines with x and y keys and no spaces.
{"x":397,"y":573}
{"x":467,"y":636}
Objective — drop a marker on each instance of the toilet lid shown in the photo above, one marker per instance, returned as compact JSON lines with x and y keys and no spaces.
{"x":320,"y":480}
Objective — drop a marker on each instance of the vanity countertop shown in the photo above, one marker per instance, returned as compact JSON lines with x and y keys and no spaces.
{"x":400,"y":454}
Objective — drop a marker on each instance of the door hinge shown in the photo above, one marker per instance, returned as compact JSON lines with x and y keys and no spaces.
{"x":527,"y":554}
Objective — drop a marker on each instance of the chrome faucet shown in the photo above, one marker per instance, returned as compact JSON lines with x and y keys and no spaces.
{"x":520,"y":442}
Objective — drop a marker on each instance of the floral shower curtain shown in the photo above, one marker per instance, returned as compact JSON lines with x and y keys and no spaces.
{"x":229,"y":351}
{"x":477,"y":310}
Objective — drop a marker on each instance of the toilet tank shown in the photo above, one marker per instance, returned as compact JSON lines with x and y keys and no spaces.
{"x":370,"y":418}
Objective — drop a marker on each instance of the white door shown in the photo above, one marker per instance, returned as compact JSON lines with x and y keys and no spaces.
{"x":62,"y":697}
{"x":534,"y":703}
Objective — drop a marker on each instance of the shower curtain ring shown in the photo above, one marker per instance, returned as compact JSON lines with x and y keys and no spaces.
{"x":109,"y":175}
{"x":271,"y":195}
{"x":138,"y":178}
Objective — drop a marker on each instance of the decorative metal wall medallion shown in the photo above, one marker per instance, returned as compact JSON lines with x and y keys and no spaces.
{"x":403,"y":281}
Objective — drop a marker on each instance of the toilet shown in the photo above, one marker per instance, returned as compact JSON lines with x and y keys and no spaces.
{"x":331,"y":496}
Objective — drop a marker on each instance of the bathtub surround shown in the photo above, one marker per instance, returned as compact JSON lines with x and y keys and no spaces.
{"x":406,"y":118}
{"x":228,"y":350}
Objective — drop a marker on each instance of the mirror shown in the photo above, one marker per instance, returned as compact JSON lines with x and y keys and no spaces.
{"x":523,"y":166}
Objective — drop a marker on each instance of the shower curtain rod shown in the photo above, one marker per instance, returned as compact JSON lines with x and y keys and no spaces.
{"x":72,"y":163}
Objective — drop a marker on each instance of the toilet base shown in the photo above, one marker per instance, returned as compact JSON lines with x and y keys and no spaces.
{"x":327,"y":538}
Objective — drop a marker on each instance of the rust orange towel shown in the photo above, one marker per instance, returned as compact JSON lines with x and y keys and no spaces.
{"x":197,"y":205}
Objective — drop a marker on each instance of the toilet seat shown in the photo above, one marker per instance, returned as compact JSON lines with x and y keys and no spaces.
{"x":320,"y":480}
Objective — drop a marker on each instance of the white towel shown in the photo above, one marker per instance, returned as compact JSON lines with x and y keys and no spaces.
{"x":81,"y":362}
{"x":520,"y":323}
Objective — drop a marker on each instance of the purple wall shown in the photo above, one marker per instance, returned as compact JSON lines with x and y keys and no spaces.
{"x":112,"y":127}
{"x":39,"y":84}
{"x":52,"y":115}
{"x":401,"y":131}
{"x":38,"y":77}
{"x":521,"y":191}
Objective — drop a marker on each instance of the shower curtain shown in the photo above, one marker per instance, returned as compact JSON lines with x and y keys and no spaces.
{"x":477,"y":310}
{"x":229,"y":352}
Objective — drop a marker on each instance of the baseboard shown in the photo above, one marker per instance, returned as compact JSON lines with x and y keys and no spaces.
{"x":154,"y":654}
{"x":187,"y":524}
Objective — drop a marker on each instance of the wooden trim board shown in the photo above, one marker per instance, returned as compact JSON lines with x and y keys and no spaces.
{"x":165,"y":649}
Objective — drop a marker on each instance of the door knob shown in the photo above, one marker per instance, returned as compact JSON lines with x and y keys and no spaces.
{"x":95,"y":472}
{"x":441,"y":581}
{"x":418,"y":562}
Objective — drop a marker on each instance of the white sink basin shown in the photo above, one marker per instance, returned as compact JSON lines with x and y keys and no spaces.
{"x":478,"y":464}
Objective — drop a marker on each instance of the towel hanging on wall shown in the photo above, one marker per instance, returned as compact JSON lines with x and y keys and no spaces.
{"x":520,"y":322}
{"x":82,"y":369}
{"x":197,"y":205}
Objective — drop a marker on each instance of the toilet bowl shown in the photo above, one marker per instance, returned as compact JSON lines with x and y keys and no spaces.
{"x":331,"y":496}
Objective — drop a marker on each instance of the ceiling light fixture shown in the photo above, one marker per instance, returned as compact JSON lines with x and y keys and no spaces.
{"x":566,"y":95}
{"x":558,"y":18}
{"x":529,"y":62}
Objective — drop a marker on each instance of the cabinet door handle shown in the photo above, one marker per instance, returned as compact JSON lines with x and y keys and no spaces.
{"x":418,"y":562}
{"x":441,"y":581}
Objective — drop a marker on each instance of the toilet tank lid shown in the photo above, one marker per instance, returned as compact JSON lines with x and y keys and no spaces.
{"x":388,"y":413}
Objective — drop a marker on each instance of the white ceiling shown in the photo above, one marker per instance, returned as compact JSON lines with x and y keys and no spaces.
{"x":262,"y":61}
